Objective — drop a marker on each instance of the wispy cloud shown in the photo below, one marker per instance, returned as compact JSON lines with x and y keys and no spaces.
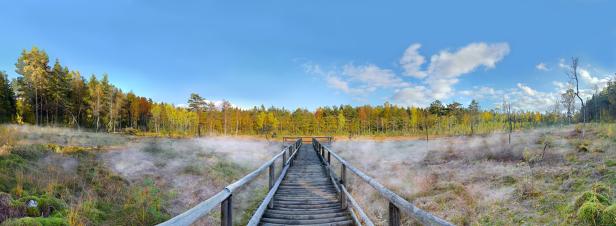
{"x":357,"y":80}
{"x":542,"y":67}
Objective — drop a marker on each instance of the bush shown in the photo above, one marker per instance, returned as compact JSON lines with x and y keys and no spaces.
{"x":590,"y":213}
{"x":145,"y":205}
{"x":583,"y":146}
{"x":131,"y":131}
{"x":30,"y":152}
{"x":602,"y":189}
{"x":527,"y":190}
{"x":609,"y":215}
{"x":590,"y":196}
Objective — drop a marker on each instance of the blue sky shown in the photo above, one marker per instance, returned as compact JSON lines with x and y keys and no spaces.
{"x":315,"y":53}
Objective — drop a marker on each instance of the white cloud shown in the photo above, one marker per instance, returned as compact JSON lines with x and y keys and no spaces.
{"x":482,"y":93}
{"x":594,"y":82}
{"x":413,"y":96}
{"x":542,"y":67}
{"x":436,"y":82}
{"x":411,"y":61}
{"x":373,"y":76}
{"x":337,"y":83}
{"x":446,"y":67}
{"x":527,"y":90}
{"x":357,"y":80}
{"x":449,"y":65}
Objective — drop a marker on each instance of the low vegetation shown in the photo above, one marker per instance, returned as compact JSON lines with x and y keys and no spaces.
{"x":52,"y":176}
{"x":544,"y":177}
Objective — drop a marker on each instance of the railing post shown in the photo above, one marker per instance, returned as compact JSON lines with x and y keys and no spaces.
{"x":394,"y":215}
{"x":226,"y":214}
{"x":285,"y":156}
{"x":272,"y":172}
{"x":329,"y":158}
{"x":291,"y":156}
{"x":343,"y":198}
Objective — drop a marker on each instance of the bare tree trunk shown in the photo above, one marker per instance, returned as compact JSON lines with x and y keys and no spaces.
{"x":237,"y":122}
{"x":36,"y":107}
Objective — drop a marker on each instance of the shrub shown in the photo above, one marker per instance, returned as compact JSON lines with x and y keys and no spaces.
{"x":602,"y":189}
{"x":608,"y":217}
{"x":145,"y":205}
{"x":583,"y":146}
{"x":590,"y":213}
{"x":527,"y":190}
{"x":590,"y":196}
{"x":131,"y":131}
{"x":30,"y":152}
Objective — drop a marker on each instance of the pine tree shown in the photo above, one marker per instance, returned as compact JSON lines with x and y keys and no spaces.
{"x":8,"y":106}
{"x":197,"y":104}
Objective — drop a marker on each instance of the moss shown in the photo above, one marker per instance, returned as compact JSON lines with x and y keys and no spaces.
{"x":610,"y":163}
{"x":46,"y":206}
{"x":608,"y":217}
{"x":590,"y":213}
{"x":36,"y":221}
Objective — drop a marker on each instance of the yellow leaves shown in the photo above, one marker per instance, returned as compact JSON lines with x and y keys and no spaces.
{"x":487,"y":116}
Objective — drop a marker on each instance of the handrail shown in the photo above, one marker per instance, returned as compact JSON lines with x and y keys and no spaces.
{"x":224,"y":197}
{"x":308,"y":138}
{"x":396,"y":203}
{"x":345,"y":194}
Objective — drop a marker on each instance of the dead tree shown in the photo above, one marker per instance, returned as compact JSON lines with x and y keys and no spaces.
{"x":573,"y":76}
{"x":507,"y":109}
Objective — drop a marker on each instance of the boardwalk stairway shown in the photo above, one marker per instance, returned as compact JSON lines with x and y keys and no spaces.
{"x":306,"y":195}
{"x":306,"y":191}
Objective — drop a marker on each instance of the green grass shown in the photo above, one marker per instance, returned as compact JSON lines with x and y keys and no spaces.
{"x":91,"y":195}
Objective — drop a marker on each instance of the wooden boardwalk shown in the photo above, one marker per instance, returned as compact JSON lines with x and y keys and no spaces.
{"x":308,"y":191}
{"x":307,"y":195}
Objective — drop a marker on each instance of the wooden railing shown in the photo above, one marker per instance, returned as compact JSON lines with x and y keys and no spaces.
{"x":397,"y":204}
{"x":308,"y":139}
{"x":224,"y":198}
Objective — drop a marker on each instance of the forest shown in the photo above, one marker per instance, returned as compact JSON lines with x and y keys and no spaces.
{"x":54,"y":95}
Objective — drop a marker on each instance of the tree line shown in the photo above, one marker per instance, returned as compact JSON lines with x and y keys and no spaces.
{"x":54,"y":95}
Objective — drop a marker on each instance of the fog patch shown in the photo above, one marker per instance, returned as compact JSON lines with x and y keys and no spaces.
{"x":192,"y":169}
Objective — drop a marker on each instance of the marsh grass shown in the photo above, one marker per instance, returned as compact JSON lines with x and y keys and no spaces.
{"x":535,"y":180}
